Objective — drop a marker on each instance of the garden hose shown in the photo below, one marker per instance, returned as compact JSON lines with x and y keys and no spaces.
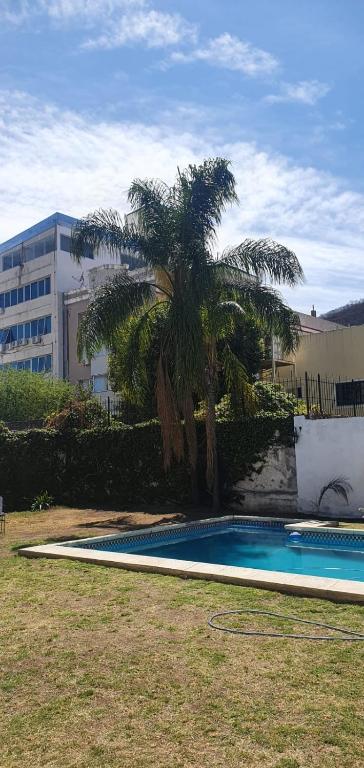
{"x":347,"y":634}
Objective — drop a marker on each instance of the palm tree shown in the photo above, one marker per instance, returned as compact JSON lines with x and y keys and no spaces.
{"x":192,"y":295}
{"x":234,"y":290}
{"x":172,"y":231}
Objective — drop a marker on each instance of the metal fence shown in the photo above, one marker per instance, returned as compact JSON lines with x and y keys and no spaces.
{"x":319,"y":396}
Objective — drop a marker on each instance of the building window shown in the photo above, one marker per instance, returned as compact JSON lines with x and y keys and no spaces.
{"x":29,"y":252}
{"x":42,"y":364}
{"x":349,"y":393}
{"x":100,"y":384}
{"x":26,"y":293}
{"x":38,"y":327}
{"x":65,"y":243}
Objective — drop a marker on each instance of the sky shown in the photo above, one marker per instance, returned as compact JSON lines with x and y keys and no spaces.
{"x":94,"y":93}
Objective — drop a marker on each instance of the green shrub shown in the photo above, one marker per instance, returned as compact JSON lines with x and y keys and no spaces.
{"x":26,"y":396}
{"x":42,"y":501}
{"x":264,"y":399}
{"x":78,"y":414}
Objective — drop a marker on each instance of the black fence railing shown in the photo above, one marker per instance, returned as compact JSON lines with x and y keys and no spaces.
{"x":322,"y":397}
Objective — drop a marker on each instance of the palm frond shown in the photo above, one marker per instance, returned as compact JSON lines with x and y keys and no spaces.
{"x":201,"y":194}
{"x":340,"y":486}
{"x":103,"y":229}
{"x":268,"y":306}
{"x":112,"y":304}
{"x":134,"y":342}
{"x":265,"y":259}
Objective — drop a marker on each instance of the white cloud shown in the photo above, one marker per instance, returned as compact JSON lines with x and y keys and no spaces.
{"x":229,"y":52}
{"x":153,"y":28}
{"x":65,"y":9}
{"x":120,"y":21}
{"x":53,"y":160}
{"x":305,"y":92}
{"x":18,"y":11}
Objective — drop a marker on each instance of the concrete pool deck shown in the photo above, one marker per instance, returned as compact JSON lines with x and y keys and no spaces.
{"x":299,"y":584}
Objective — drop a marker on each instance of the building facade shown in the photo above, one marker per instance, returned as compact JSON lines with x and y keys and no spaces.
{"x":36,"y":270}
{"x":280,"y":365}
{"x":93,"y":373}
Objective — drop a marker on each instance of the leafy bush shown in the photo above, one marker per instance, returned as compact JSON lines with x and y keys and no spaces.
{"x":84,"y":413}
{"x":42,"y":501}
{"x":26,"y":396}
{"x":273,"y":399}
{"x":262,"y":399}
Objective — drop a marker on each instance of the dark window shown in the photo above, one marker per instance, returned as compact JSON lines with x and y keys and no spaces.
{"x":20,"y":331}
{"x":350,"y":393}
{"x":47,"y":284}
{"x":48,"y":324}
{"x":2,"y":300}
{"x":7,"y":262}
{"x":39,"y":248}
{"x":20,"y":295}
{"x":26,"y":292}
{"x":17,"y":258}
{"x":7,"y":299}
{"x":41,"y":288}
{"x":14,"y":297}
{"x":66,"y":243}
{"x":34,"y":290}
{"x":34,"y":327}
{"x":27,"y":331}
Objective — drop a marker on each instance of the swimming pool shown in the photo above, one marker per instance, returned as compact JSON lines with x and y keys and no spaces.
{"x":265,"y":552}
{"x":267,"y":548}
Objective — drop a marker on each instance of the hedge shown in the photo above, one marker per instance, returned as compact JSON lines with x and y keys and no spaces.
{"x":119,"y":466}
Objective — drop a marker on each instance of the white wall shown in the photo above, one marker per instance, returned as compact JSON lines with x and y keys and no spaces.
{"x":270,"y":488}
{"x":326,"y":449}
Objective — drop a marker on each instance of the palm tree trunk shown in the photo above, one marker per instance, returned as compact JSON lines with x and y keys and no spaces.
{"x":212,"y":468}
{"x":191,"y":437}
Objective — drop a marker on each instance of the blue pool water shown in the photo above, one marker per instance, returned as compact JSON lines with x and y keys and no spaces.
{"x":266,"y":549}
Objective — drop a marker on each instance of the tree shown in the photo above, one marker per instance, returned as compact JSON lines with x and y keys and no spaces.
{"x":139,"y":399}
{"x":26,"y":396}
{"x":195,"y":298}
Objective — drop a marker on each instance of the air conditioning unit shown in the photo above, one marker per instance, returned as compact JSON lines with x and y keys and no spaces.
{"x":13,"y":344}
{"x":2,"y":310}
{"x":36,"y":339}
{"x":2,"y":348}
{"x":24,"y":342}
{"x":8,"y":346}
{"x":19,"y":343}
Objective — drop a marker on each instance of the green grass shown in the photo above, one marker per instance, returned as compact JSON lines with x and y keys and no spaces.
{"x":102,"y":668}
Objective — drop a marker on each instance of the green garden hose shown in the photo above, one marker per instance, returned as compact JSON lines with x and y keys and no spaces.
{"x":348,"y":634}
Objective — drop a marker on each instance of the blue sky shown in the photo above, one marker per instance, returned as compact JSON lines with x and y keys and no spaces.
{"x":95,"y":92}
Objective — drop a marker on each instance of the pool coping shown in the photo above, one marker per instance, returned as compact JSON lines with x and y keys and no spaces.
{"x":314,"y":586}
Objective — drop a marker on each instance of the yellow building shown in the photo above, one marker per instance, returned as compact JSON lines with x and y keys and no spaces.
{"x":335,"y":355}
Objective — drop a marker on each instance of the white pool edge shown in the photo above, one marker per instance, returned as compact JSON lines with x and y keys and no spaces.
{"x":312,"y":586}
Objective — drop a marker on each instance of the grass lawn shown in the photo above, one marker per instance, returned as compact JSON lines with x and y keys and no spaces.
{"x":107,"y":668}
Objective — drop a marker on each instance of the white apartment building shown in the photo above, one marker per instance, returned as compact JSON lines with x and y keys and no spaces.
{"x":95,"y":371}
{"x":36,"y":269}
